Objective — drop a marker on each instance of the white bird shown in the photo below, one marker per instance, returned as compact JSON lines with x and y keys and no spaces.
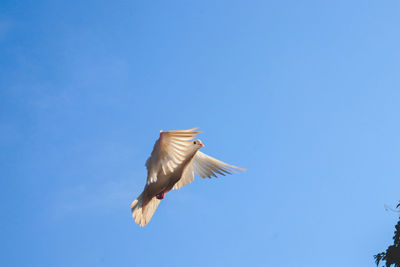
{"x":173,"y":162}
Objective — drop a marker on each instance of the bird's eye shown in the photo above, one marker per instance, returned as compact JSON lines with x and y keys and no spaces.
{"x":194,"y":142}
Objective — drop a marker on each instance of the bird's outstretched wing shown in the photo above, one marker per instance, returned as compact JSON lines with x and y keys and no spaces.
{"x":205,"y":167}
{"x":169,"y":151}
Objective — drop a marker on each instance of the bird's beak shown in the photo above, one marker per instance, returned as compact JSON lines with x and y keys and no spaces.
{"x":201,"y":145}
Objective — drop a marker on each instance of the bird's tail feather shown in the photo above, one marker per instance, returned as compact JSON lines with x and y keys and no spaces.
{"x":141,"y":211}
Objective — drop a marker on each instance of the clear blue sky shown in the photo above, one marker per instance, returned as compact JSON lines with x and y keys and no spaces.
{"x":304,"y":94}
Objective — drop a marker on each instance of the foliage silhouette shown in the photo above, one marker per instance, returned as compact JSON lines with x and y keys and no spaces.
{"x":392,"y":254}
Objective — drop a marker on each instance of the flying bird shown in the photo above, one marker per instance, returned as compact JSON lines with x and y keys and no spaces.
{"x":174,"y":161}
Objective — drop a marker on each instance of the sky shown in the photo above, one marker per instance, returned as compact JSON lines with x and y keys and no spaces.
{"x":303,"y":94}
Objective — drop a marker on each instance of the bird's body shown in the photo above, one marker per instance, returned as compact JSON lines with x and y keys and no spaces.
{"x":172,"y":164}
{"x":165,"y":182}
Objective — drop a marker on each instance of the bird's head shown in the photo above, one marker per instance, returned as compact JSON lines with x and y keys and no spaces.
{"x":197,"y":143}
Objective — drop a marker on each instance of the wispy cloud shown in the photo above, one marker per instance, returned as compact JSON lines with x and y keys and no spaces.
{"x":5,"y":27}
{"x":95,"y":197}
